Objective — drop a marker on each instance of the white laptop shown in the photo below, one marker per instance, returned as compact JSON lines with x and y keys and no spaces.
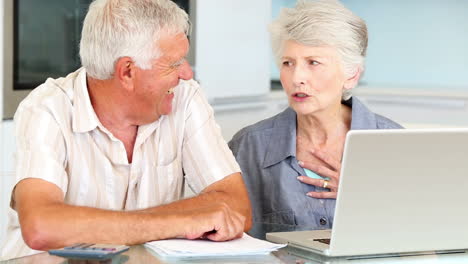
{"x":401,"y":192}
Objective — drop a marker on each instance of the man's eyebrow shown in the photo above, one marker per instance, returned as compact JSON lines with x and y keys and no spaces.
{"x":179,"y":62}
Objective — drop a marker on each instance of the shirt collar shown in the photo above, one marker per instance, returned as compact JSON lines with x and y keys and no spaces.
{"x":361,"y":116}
{"x":282,"y":142}
{"x":84,"y":117}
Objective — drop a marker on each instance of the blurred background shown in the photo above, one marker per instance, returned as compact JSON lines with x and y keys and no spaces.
{"x":416,"y":68}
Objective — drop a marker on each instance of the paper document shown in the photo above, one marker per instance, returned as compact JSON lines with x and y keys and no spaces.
{"x":246,"y":245}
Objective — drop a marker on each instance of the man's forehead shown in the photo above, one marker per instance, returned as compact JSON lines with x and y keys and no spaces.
{"x":169,"y":41}
{"x":173,"y":46}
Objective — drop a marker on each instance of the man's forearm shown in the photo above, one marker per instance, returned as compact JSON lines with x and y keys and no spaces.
{"x":231,"y":191}
{"x":208,"y":197}
{"x":56,"y":226}
{"x":47,"y":222}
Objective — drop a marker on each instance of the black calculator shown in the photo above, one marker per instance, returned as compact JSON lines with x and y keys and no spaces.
{"x":89,"y":251}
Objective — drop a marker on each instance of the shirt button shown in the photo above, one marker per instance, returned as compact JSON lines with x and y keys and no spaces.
{"x":323,"y":221}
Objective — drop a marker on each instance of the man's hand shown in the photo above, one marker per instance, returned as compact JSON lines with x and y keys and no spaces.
{"x":217,"y":222}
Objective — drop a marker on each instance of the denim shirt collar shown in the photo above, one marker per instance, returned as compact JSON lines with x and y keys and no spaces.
{"x":361,"y":116}
{"x":282,"y":143}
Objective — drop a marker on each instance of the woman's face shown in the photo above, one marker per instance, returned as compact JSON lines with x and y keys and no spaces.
{"x":312,"y":77}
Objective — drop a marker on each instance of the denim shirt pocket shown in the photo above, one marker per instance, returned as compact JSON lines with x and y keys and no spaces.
{"x":285,"y":217}
{"x":280,"y":221}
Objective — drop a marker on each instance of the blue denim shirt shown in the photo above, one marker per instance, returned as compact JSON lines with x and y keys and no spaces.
{"x":266,"y":153}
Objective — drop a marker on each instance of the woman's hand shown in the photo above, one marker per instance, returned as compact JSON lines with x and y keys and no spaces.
{"x":331,"y":170}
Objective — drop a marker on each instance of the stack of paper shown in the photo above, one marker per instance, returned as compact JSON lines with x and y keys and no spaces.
{"x":246,"y":245}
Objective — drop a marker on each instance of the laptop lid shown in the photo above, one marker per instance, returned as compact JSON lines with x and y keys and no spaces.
{"x":401,"y":191}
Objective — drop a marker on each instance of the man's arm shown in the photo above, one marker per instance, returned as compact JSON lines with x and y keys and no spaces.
{"x":230,"y":190}
{"x":47,"y":222}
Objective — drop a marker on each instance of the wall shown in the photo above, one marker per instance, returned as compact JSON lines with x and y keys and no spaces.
{"x":231,"y":48}
{"x":5,"y":150}
{"x":1,"y":63}
{"x":275,"y":11}
{"x":6,"y":170}
{"x":417,"y":44}
{"x":2,"y":148}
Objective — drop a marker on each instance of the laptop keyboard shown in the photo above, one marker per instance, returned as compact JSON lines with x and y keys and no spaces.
{"x":323,"y":240}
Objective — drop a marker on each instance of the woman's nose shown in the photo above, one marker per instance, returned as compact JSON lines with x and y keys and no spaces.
{"x":299,"y":76}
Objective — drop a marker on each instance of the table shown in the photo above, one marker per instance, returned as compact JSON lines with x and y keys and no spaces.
{"x":140,"y":255}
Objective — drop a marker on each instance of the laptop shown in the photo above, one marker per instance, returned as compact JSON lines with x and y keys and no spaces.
{"x":402,"y":192}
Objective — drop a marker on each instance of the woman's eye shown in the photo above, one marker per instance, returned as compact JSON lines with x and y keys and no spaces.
{"x":313,"y":62}
{"x":287,"y":63}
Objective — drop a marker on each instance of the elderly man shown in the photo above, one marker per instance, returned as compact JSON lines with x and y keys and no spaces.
{"x":102,"y":154}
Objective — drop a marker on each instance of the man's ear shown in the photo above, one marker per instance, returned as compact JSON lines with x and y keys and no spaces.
{"x":353,"y":80}
{"x":125,"y":72}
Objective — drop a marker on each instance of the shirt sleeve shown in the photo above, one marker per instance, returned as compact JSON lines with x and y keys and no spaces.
{"x":206,"y":158}
{"x":40,"y":147}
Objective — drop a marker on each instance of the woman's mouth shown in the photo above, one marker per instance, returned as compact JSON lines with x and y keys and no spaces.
{"x":300,"y":97}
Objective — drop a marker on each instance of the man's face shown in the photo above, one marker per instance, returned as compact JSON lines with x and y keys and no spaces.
{"x":154,"y":87}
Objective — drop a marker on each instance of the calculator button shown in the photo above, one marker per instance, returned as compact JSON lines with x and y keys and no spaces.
{"x":74,"y":246}
{"x":85,"y":246}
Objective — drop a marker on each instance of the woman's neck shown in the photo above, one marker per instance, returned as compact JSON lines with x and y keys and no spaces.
{"x":324,"y":128}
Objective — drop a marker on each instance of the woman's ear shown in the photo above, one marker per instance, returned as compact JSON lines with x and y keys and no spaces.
{"x":353,"y":80}
{"x":125,"y":72}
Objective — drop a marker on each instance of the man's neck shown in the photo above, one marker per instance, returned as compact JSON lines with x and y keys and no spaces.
{"x":110,"y":104}
{"x":111,"y":107}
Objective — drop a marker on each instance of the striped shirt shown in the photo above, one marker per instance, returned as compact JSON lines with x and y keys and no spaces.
{"x":61,"y":140}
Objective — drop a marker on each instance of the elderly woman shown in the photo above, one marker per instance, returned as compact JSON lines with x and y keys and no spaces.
{"x":320,"y":48}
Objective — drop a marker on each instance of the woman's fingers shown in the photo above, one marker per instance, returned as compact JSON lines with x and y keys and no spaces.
{"x":322,"y":195}
{"x":331,"y":170}
{"x":320,"y":183}
{"x":320,"y":170}
{"x":327,"y":159}
{"x":317,"y":182}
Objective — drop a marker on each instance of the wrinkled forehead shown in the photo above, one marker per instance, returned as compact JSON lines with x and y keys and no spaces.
{"x":173,"y":45}
{"x":292,"y":49}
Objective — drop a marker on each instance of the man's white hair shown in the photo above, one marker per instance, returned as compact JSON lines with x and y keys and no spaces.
{"x":117,"y":28}
{"x":323,"y":23}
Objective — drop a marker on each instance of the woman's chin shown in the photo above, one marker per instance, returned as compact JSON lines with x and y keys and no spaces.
{"x":303,"y":108}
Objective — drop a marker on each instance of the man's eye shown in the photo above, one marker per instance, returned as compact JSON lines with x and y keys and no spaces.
{"x":287,"y":63}
{"x":177,"y":64}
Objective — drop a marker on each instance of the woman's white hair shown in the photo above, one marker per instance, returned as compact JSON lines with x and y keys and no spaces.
{"x":323,"y":23}
{"x":117,"y":28}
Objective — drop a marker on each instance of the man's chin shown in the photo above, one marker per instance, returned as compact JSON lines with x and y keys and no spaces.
{"x":166,"y":111}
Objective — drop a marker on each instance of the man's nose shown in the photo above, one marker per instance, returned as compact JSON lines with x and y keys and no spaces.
{"x":185,"y":71}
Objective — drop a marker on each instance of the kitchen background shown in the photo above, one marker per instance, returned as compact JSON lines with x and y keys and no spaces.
{"x":416,"y":71}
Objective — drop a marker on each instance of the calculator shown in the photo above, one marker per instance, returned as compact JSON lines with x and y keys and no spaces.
{"x":89,"y":251}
